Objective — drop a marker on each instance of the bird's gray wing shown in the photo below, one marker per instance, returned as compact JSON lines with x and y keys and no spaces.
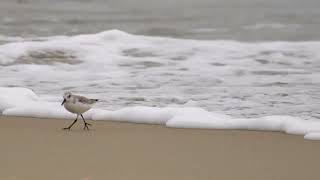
{"x":85,"y":100}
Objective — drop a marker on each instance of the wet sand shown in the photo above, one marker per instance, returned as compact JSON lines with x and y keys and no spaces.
{"x":38,"y":149}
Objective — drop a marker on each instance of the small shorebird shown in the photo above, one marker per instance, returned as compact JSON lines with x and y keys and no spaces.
{"x":77,"y":105}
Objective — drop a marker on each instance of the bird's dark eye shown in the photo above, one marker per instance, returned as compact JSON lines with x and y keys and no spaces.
{"x":69,"y":96}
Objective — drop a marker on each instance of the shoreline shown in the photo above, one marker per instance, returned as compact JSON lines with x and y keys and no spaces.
{"x":36,"y":148}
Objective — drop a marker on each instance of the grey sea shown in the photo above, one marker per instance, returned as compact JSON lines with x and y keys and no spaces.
{"x":245,"y":58}
{"x":244,"y":20}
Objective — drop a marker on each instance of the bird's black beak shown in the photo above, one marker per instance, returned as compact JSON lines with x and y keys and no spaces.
{"x":64,"y":100}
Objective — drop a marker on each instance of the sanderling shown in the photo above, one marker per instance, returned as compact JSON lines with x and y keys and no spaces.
{"x":77,"y":105}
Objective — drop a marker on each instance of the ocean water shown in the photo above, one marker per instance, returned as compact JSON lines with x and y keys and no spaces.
{"x":244,"y":58}
{"x":243,"y":20}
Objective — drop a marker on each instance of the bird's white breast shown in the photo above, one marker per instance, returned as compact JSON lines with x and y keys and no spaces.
{"x":77,"y":108}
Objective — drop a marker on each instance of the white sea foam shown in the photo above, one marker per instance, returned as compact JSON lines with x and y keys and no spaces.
{"x":24,"y":102}
{"x":243,"y":79}
{"x":312,"y":135}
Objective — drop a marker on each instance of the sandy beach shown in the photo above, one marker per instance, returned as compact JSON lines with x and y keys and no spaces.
{"x":33,"y":148}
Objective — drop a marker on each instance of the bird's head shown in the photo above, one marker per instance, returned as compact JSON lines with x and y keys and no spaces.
{"x":66,"y":97}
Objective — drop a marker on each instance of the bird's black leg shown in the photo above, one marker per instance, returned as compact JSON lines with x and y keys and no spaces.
{"x":85,"y":123}
{"x":69,"y":127}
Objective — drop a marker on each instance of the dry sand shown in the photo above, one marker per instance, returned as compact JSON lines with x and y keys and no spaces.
{"x":39,"y":149}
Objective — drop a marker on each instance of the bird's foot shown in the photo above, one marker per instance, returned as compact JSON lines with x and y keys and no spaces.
{"x":67,"y":128}
{"x":86,"y":126}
